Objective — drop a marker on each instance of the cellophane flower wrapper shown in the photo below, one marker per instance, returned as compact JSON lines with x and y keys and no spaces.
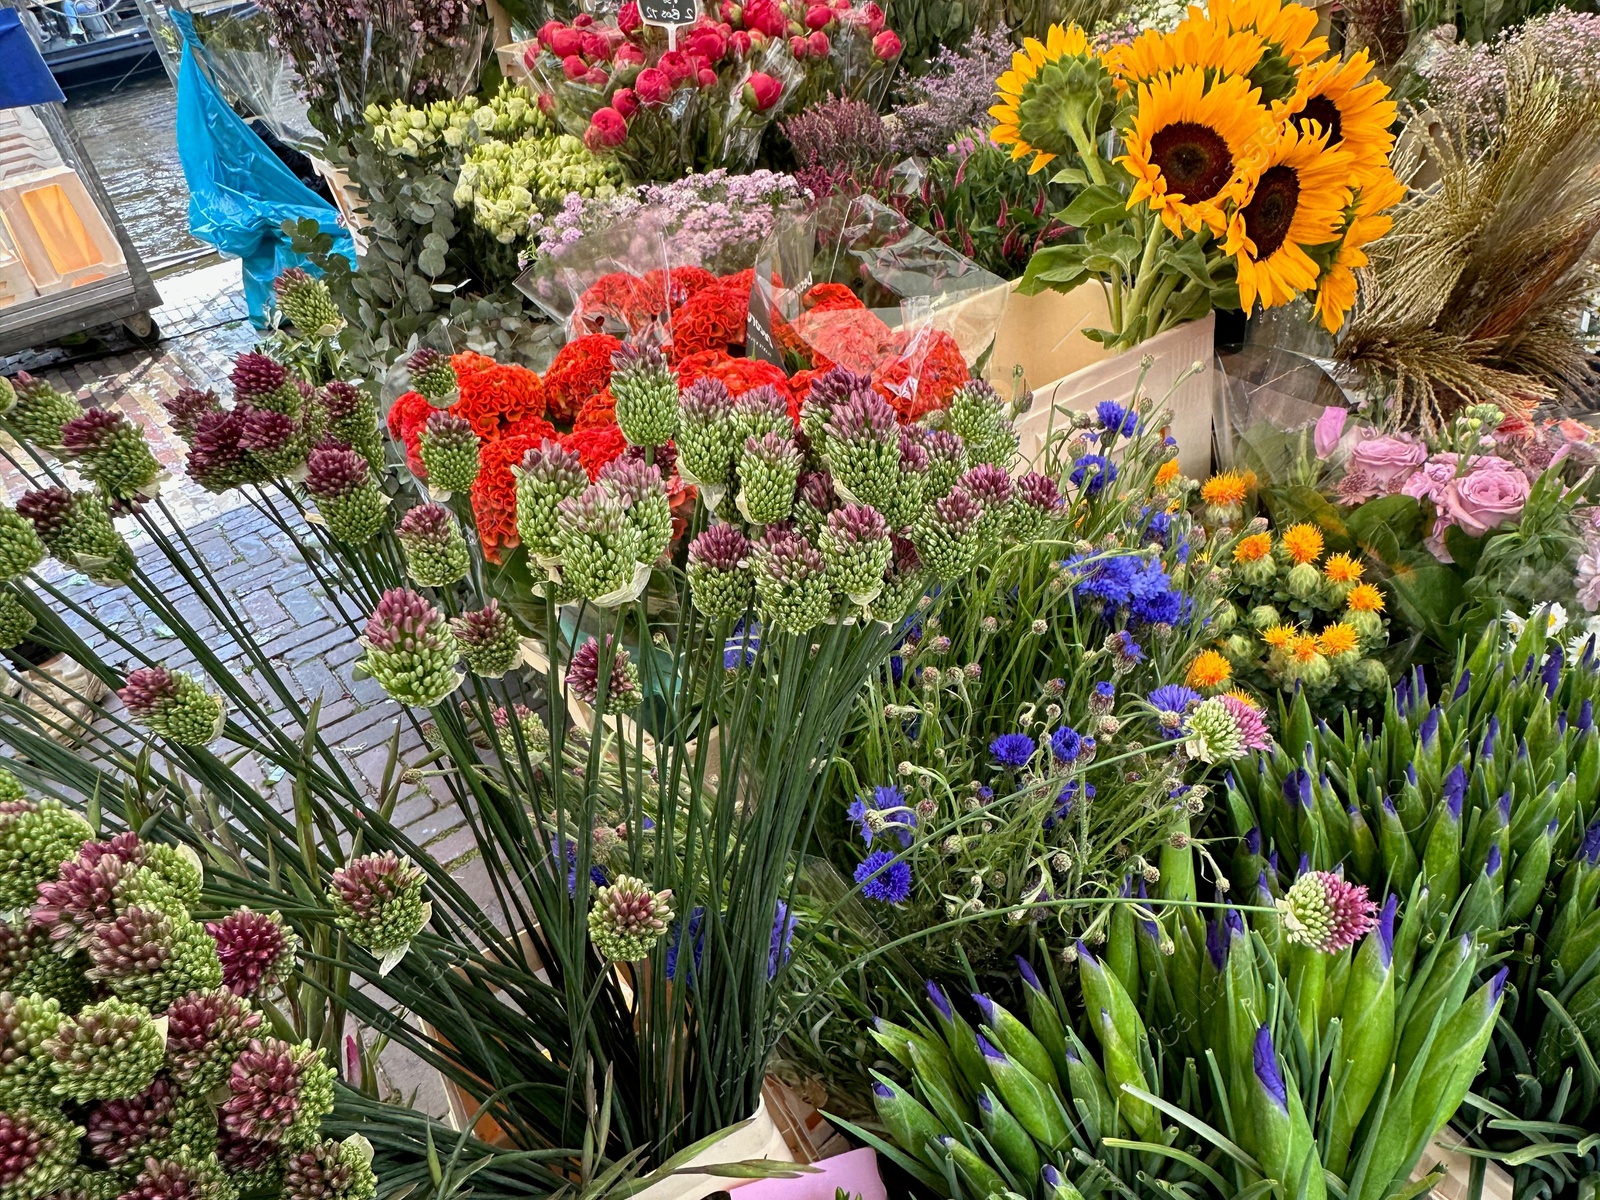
{"x":854,"y":284}
{"x":736,"y":128}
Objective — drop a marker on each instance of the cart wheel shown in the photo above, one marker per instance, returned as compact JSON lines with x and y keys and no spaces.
{"x":142,"y":328}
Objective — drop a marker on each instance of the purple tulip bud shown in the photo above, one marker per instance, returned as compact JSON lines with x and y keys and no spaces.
{"x":1216,"y":945}
{"x":1505,"y":809}
{"x":1266,"y":1064}
{"x":1025,"y":969}
{"x":1462,"y":685}
{"x":1052,"y":1177}
{"x":1402,"y":694}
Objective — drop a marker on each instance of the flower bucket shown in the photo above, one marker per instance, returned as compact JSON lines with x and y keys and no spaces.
{"x":1041,"y":341}
{"x":1445,"y":1150}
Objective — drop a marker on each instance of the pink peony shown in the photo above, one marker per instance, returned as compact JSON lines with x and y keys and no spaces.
{"x":628,"y":17}
{"x":707,"y":41}
{"x":705,"y":77}
{"x":565,"y":42}
{"x":573,"y":67}
{"x":819,"y":17}
{"x":874,"y":18}
{"x":797,"y":47}
{"x":819,"y":45}
{"x":607,"y":130}
{"x":652,"y":87}
{"x":547,"y":33}
{"x":595,"y":45}
{"x":1388,"y":460}
{"x":739,"y":42}
{"x":624,"y":102}
{"x":677,"y":67}
{"x":1491,"y":493}
{"x":628,"y":56}
{"x":886,"y":46}
{"x":731,"y":13}
{"x":761,"y":91}
{"x":766,"y":17}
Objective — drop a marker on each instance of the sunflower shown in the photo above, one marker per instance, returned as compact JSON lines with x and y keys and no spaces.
{"x":1366,"y":222}
{"x":1284,"y":29}
{"x":1052,"y":99}
{"x":1252,"y":548}
{"x":1194,"y":148}
{"x":1364,"y":598}
{"x":1208,"y":670}
{"x":1192,"y":44}
{"x":1352,"y":108}
{"x":1338,"y":639}
{"x":1341,"y":568}
{"x":1303,"y":542}
{"x":1298,"y":202}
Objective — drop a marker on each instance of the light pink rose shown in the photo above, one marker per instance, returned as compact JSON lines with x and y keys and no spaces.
{"x":1429,"y":479}
{"x":1388,"y":460}
{"x":1491,"y":493}
{"x":1330,"y":427}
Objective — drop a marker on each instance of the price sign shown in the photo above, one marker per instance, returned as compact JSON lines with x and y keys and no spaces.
{"x":669,"y":14}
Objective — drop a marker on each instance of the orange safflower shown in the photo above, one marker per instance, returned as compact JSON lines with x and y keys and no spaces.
{"x":1303,"y":543}
{"x":1365,"y":597}
{"x":1226,"y":490}
{"x":1167,"y":472}
{"x":1208,"y":670}
{"x":1253,"y":548}
{"x":1279,"y":636}
{"x":1243,"y":697}
{"x":1337,"y":639}
{"x":1304,"y":647}
{"x":1341,"y":568}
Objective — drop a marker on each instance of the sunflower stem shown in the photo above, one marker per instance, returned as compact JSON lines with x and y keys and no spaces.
{"x":1144,"y":284}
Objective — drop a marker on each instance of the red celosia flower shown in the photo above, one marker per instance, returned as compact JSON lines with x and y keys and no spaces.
{"x":534,"y":427}
{"x":496,"y":396}
{"x":615,"y":302}
{"x":675,"y":285}
{"x":580,"y":370}
{"x":598,"y":411}
{"x":854,"y":338}
{"x":934,"y":360}
{"x":830,"y":297}
{"x":407,"y":416}
{"x":494,"y":493}
{"x":713,"y":319}
{"x":596,"y":446}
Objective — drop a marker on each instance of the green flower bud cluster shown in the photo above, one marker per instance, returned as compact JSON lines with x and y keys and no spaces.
{"x":435,"y":549}
{"x":39,"y":411}
{"x":491,"y":643}
{"x":77,"y":529}
{"x":36,"y":836}
{"x":16,"y":619}
{"x":505,"y":183}
{"x":449,"y":450}
{"x":20,"y":547}
{"x":408,"y":132}
{"x":410,"y":650}
{"x":628,"y":919}
{"x":646,"y":390}
{"x":307,"y":304}
{"x":111,"y":452}
{"x":173,"y":705}
{"x":378,"y":899}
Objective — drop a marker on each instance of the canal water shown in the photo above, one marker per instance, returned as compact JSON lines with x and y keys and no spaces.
{"x":130,"y":134}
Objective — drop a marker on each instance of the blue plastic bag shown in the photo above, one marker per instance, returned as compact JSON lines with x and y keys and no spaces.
{"x":240,"y":193}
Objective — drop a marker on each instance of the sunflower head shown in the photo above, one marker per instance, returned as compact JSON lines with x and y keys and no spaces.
{"x":1365,"y":221}
{"x":1056,"y":97}
{"x":1302,"y":543}
{"x":1285,"y":32}
{"x":1365,"y":598}
{"x":1340,"y":97}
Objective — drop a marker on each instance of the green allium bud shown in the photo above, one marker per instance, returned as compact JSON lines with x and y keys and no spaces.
{"x":262,"y":382}
{"x":436,"y":552}
{"x":350,"y":416}
{"x":27,"y":1023}
{"x":8,"y":395}
{"x":643,"y":495}
{"x":378,"y":900}
{"x":946,"y":534}
{"x":38,"y":1147}
{"x":598,"y":546}
{"x":705,"y":438}
{"x":1303,"y":582}
{"x":350,"y":501}
{"x":206,"y":1032}
{"x":535,"y":737}
{"x":187,"y":1174}
{"x":856,"y":550}
{"x":331,"y":1171}
{"x":628,"y":919}
{"x":758,"y":412}
{"x":31,"y":962}
{"x":109,"y":1050}
{"x":20,"y":547}
{"x":10,"y":787}
{"x":719,"y":572}
{"x":111,"y":452}
{"x":449,"y":450}
{"x":977,"y":415}
{"x":173,"y":705}
{"x":902,"y":582}
{"x":306,"y":302}
{"x":279,"y":1094}
{"x":151,"y":957}
{"x":861,"y":446}
{"x":947,"y":462}
{"x":769,"y":470}
{"x":40,"y":411}
{"x":433,"y":376}
{"x":490,"y":642}
{"x":647,"y":396}
{"x":76,"y":528}
{"x":16,"y":620}
{"x":410,"y":650}
{"x":547,"y":476}
{"x":36,"y":837}
{"x":792,"y":593}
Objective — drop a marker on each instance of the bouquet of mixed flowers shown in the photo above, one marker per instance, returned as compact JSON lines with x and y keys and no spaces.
{"x":707,"y":99}
{"x":1248,"y":164}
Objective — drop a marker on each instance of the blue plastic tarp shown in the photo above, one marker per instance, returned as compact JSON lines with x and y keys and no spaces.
{"x":240,"y":193}
{"x":24,"y":79}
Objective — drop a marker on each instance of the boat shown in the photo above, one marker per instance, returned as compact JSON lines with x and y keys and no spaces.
{"x":91,"y":44}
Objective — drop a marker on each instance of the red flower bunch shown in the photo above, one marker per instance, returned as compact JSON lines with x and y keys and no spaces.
{"x":495,"y":396}
{"x":494,"y":494}
{"x":830,"y":297}
{"x":580,"y":371}
{"x":617,"y":301}
{"x":595,"y":446}
{"x":854,"y":338}
{"x":675,"y":285}
{"x":738,"y":375}
{"x":934,"y":360}
{"x":407,"y":416}
{"x":713,"y":319}
{"x":598,"y":410}
{"x":534,"y":427}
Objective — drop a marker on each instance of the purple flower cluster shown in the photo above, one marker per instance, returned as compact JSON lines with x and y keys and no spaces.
{"x":954,"y":95}
{"x":893,"y":814}
{"x":1128,"y":583}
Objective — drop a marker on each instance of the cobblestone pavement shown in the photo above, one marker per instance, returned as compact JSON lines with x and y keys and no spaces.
{"x":256,"y":566}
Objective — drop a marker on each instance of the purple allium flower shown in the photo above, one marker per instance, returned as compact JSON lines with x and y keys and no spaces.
{"x":1252,"y":726}
{"x":1324,"y":912}
{"x":188,"y":407}
{"x":205,"y":1033}
{"x":256,"y":950}
{"x":1066,"y":744}
{"x":1266,"y":1066}
{"x":378,"y":900}
{"x":275,"y":1088}
{"x":265,"y":431}
{"x":1012,"y":750}
{"x":989,"y":485}
{"x":1040,"y":492}
{"x":913,"y":454}
{"x":119,"y":1129}
{"x":583,"y":675}
{"x":255,"y":375}
{"x":335,"y":471}
{"x":885,"y":811}
{"x":884,"y":878}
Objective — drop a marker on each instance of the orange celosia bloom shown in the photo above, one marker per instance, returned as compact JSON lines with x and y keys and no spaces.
{"x":1253,"y":548}
{"x":1341,"y":568}
{"x":1365,"y":597}
{"x":1337,"y":639}
{"x":494,"y":494}
{"x":1226,"y":490}
{"x":1303,"y":543}
{"x":1208,"y":670}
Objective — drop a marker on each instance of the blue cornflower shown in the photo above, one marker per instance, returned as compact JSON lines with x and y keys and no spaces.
{"x":1092,"y":472}
{"x":1127,"y":651}
{"x":782,"y":938}
{"x":740,"y":649}
{"x":1158,"y":528}
{"x":883,"y":878}
{"x":985,"y":794}
{"x":1106,"y":690}
{"x":897,"y":815}
{"x":1070,"y":792}
{"x":597,"y":873}
{"x":1173,"y":697}
{"x":696,"y":939}
{"x":1116,"y":419}
{"x":1012,"y":749}
{"x":1065,"y":744}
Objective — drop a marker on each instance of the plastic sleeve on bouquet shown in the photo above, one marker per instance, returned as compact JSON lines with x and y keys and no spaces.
{"x":766,"y":92}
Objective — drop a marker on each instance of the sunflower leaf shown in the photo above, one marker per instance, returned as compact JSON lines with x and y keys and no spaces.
{"x":1096,"y":205}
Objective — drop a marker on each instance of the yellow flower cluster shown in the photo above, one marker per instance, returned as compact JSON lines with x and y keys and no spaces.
{"x":1238,"y":125}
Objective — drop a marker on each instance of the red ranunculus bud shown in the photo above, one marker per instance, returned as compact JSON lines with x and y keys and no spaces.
{"x":652,"y":87}
{"x":766,"y":16}
{"x":628,"y":18}
{"x":625,"y":102}
{"x":676,"y":65}
{"x":761,"y":91}
{"x":595,"y":45}
{"x":819,"y":45}
{"x":707,"y":41}
{"x":886,"y":46}
{"x":607,"y":130}
{"x":547,"y":103}
{"x":574,"y":67}
{"x":566,"y":41}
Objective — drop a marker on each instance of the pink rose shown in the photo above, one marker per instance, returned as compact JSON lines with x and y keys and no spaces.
{"x":625,"y":102}
{"x":731,"y":13}
{"x":1429,"y":480}
{"x":761,"y":92}
{"x":886,"y":46}
{"x":652,"y":87}
{"x":1330,"y":428}
{"x":582,"y":21}
{"x":1388,"y":460}
{"x":1486,"y":497}
{"x":628,"y":56}
{"x":607,"y":130}
{"x":547,"y":32}
{"x":874,"y":17}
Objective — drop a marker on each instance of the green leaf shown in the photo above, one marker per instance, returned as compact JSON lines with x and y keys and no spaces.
{"x":1188,"y":259}
{"x":1070,"y":177}
{"x":1113,"y":251}
{"x":1057,"y":267}
{"x":1095,"y":205}
{"x":1398,"y":517}
{"x":1464,"y":548}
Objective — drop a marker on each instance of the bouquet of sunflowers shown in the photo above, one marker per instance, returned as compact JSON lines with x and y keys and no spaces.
{"x":1230,"y":161}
